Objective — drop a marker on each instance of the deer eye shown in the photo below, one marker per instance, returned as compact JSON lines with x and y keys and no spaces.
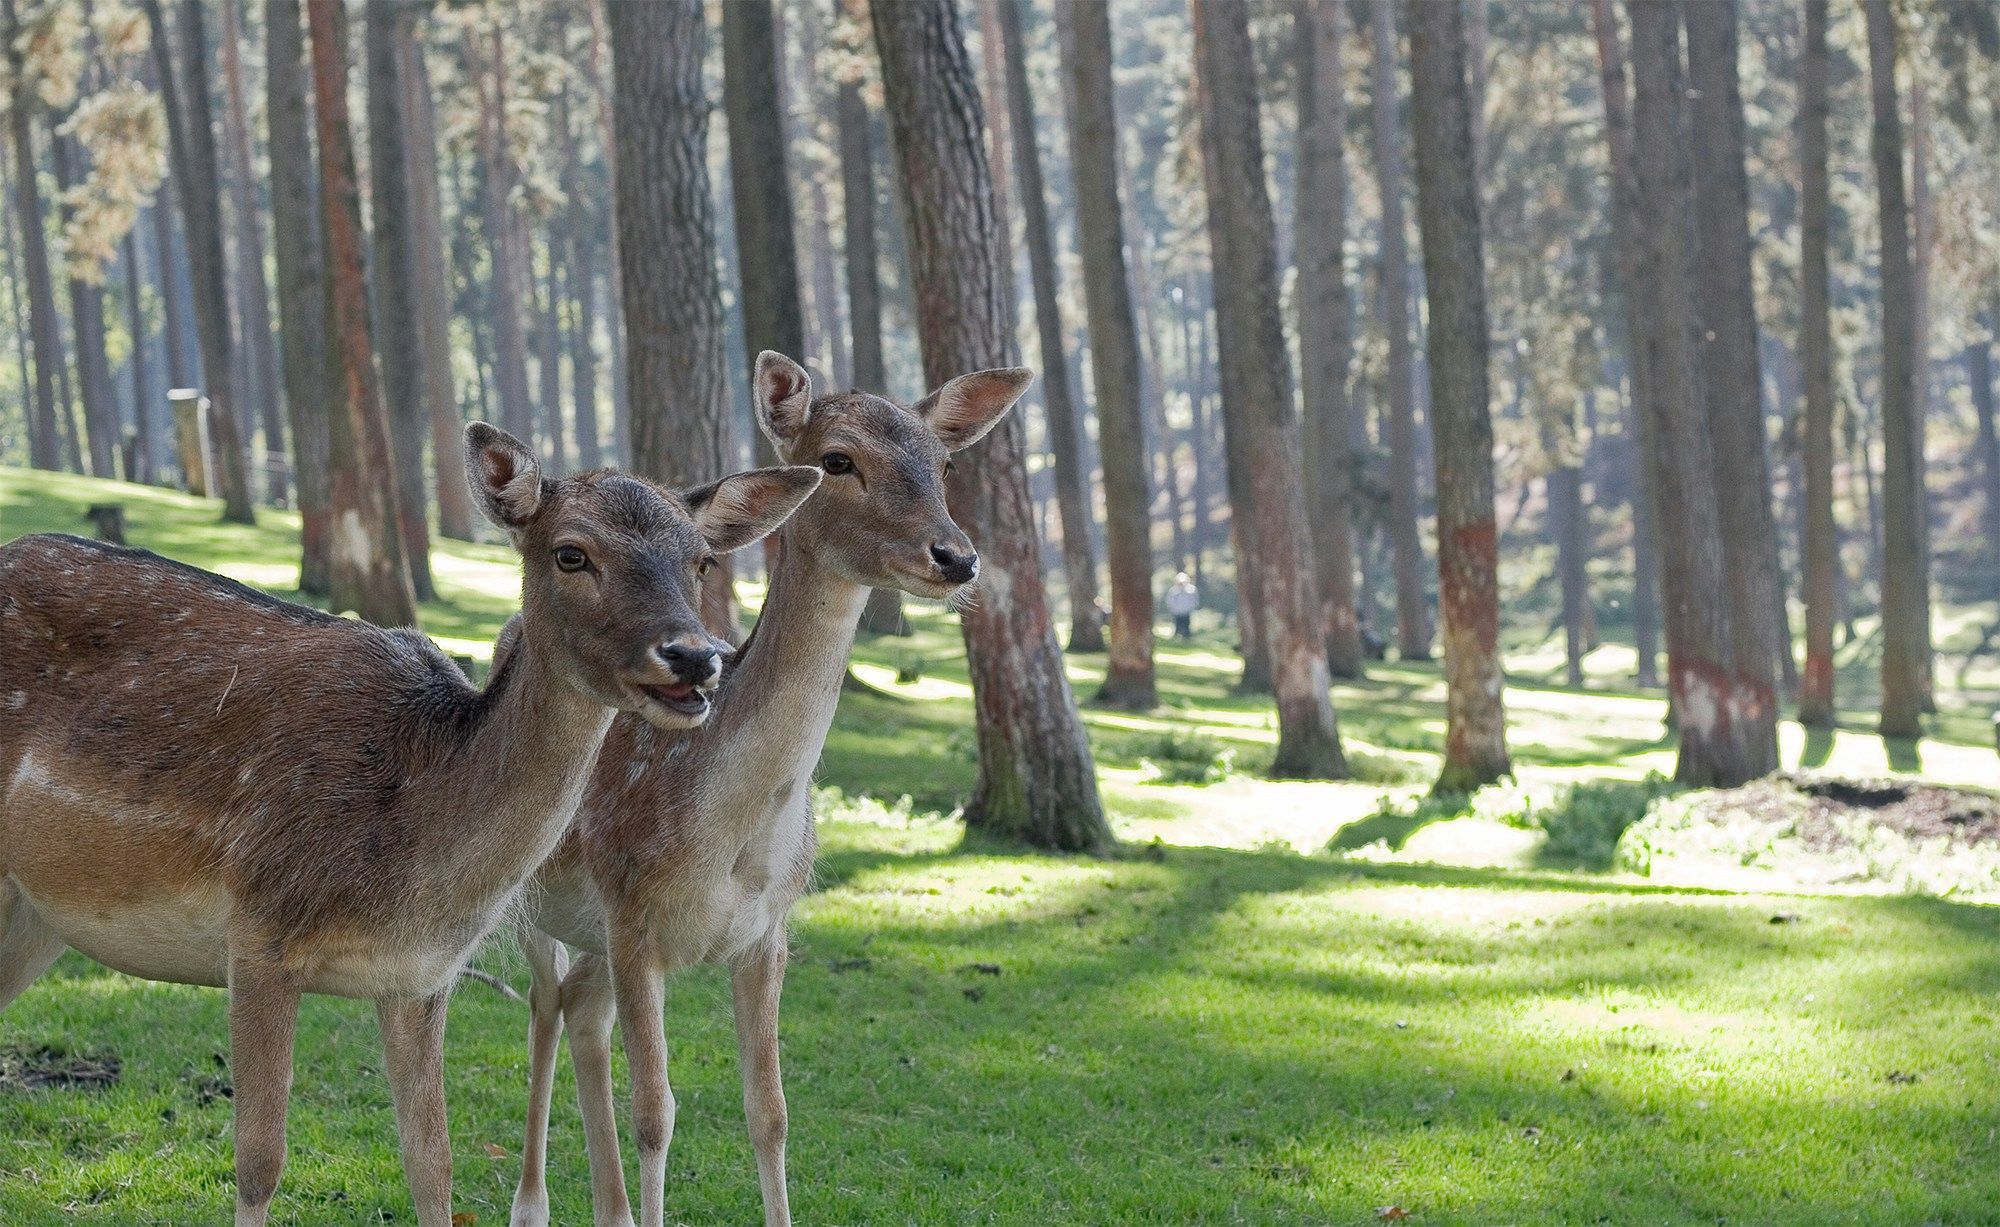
{"x":837,"y":463}
{"x":570,"y":558}
{"x":702,"y":568}
{"x":949,"y":468}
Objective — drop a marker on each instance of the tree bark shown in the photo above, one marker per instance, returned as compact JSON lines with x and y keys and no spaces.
{"x":44,"y":439}
{"x":1036,"y":780}
{"x":259,"y":350}
{"x":369,"y":574}
{"x":1461,"y":409}
{"x":827,"y":323}
{"x":508,"y":282}
{"x":1979,"y":373}
{"x":1115,"y":359}
{"x":389,"y":23}
{"x":86,"y":302}
{"x":675,"y":338}
{"x":1821,"y":548}
{"x":1257,"y":393}
{"x":614,"y":300}
{"x":191,"y":150}
{"x":1413,"y":625}
{"x":145,"y":450}
{"x":1905,"y":576}
{"x":1732,"y":378}
{"x":583,"y":337}
{"x":1326,"y":337}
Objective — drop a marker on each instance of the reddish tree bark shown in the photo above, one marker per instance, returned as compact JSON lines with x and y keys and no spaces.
{"x":1821,"y":548}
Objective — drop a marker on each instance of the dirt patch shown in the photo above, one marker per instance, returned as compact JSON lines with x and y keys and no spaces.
{"x":1822,"y":809}
{"x":38,"y":1069}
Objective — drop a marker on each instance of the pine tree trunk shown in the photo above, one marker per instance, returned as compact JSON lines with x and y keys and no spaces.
{"x":44,"y":438}
{"x":1923,"y":242}
{"x":1036,"y":780}
{"x":1115,"y":358}
{"x":191,"y":150}
{"x":1732,"y":378}
{"x":1413,"y":625}
{"x":1905,"y":580}
{"x":508,"y":282}
{"x":86,"y":303}
{"x":175,"y":342}
{"x":1257,"y":393}
{"x":1571,"y":525}
{"x":1326,"y":338}
{"x":1979,"y":374}
{"x":666,"y":241}
{"x":583,"y":337}
{"x":827,"y":323}
{"x":300,"y":252}
{"x":1460,"y":405}
{"x":145,"y":451}
{"x":614,"y":299}
{"x":546,"y":303}
{"x":1821,"y":548}
{"x":260,"y":352}
{"x":369,"y":573}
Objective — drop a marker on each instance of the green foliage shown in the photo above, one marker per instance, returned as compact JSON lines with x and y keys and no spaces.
{"x":1182,"y":756}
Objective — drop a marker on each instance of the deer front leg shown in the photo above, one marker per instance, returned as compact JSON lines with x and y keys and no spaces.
{"x":589,"y":1010}
{"x":755,"y":982}
{"x":27,"y":946}
{"x":638,"y":979}
{"x":263,"y":1015}
{"x":545,"y":1023}
{"x":413,"y":1043}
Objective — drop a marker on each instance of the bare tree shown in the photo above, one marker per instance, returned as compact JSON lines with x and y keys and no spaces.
{"x":1822,"y":542}
{"x":1036,"y":779}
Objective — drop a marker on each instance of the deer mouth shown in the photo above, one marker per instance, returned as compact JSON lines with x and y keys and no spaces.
{"x":682,"y":698}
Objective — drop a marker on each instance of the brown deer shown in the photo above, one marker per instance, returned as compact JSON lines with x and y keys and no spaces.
{"x":691,"y":847}
{"x":205,"y":785}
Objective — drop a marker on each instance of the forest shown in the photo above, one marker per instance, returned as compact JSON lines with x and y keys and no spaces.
{"x":1485,"y":653}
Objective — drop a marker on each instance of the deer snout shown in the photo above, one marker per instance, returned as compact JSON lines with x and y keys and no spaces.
{"x":696,"y":663}
{"x":956,"y":567}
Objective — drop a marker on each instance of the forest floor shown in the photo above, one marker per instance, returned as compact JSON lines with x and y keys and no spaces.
{"x":1472,"y":1011}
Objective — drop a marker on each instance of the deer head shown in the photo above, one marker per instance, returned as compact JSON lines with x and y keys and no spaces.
{"x":612,"y":565}
{"x":880,"y":518}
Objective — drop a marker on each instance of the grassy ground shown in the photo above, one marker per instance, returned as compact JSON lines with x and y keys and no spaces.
{"x":1428,"y":1017}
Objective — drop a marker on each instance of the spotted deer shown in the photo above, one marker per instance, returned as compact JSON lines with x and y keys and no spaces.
{"x":691,"y":847}
{"x":205,"y":785}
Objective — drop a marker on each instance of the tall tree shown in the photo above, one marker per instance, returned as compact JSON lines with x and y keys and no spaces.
{"x":388,"y":24}
{"x":1115,"y":360}
{"x":1714,"y":749}
{"x":1413,"y":625}
{"x":261,"y":362}
{"x":1062,"y":408}
{"x":1732,"y":381}
{"x":1979,"y":374}
{"x":825,"y":281}
{"x":621,"y":402}
{"x":507,"y":283}
{"x":144,"y":450}
{"x":191,"y":153}
{"x":666,"y":243}
{"x":1821,"y":548}
{"x":44,"y":440}
{"x":1475,"y":750}
{"x":1905,"y":577}
{"x":87,"y":335}
{"x":1326,"y":338}
{"x":1257,"y":392}
{"x":369,"y":573}
{"x":300,"y":253}
{"x":1036,"y":780}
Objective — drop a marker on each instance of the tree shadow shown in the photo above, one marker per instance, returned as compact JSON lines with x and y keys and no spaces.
{"x":1818,"y":750}
{"x":1903,"y":754}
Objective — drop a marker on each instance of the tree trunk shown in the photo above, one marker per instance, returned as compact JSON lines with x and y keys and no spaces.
{"x":666,"y":241}
{"x":1460,"y":405}
{"x":86,"y":302}
{"x":508,"y":282}
{"x":614,"y":299}
{"x":1413,"y":626}
{"x":175,"y":342}
{"x":262,"y":358}
{"x":433,"y":286}
{"x":1732,"y":379}
{"x":1905,"y":579}
{"x":44,"y":438}
{"x":1115,"y":360}
{"x":1979,"y":373}
{"x":1326,"y":340}
{"x":1257,"y":392}
{"x":369,"y":574}
{"x":1821,"y":548}
{"x":1036,"y":780}
{"x":145,"y":452}
{"x":546,"y":302}
{"x":827,"y":345}
{"x":1572,"y":531}
{"x":300,"y":252}
{"x":191,"y":150}
{"x":1713,"y":748}
{"x":583,"y":337}
{"x":1923,"y":241}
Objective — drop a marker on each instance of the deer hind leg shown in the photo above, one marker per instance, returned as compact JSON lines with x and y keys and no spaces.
{"x":756,"y":980}
{"x":590,"y":1010}
{"x":639,"y":981}
{"x":413,"y":1044}
{"x":27,"y":945}
{"x":546,"y":961}
{"x":263,"y":1016}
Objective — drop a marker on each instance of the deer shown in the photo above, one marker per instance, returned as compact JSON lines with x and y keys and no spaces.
{"x":691,"y":847}
{"x":203,"y":784}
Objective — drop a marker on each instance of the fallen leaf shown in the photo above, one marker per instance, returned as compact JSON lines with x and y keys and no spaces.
{"x":493,"y":1151}
{"x":464,"y":1218}
{"x":1391,"y":1214}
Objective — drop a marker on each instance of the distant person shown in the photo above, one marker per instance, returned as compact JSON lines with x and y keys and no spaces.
{"x":1182,"y":600}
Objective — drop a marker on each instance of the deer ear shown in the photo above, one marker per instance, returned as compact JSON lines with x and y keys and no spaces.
{"x":746,"y":507}
{"x":963,"y":410}
{"x":503,"y":474}
{"x":783,"y":394}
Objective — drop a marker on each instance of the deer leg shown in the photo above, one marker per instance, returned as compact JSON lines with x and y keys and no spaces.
{"x":546,"y":963}
{"x":263,"y":1015}
{"x":27,"y":946}
{"x":639,"y":982}
{"x":755,"y":982}
{"x":589,"y":1010}
{"x":413,"y":1043}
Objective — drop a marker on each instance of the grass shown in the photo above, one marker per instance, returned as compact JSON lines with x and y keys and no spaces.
{"x":1225,"y":1033}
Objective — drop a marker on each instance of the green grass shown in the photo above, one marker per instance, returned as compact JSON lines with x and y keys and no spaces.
{"x":1228,"y":1033}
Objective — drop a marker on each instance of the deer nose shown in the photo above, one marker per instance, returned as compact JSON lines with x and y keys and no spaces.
{"x":690,"y":662}
{"x":954,"y":566}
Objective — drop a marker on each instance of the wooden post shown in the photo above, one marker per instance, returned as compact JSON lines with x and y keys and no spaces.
{"x":190,"y":416}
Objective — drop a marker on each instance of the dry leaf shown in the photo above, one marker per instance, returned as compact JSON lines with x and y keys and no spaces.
{"x":494,"y":1152}
{"x":464,"y":1218}
{"x":1391,"y":1214}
